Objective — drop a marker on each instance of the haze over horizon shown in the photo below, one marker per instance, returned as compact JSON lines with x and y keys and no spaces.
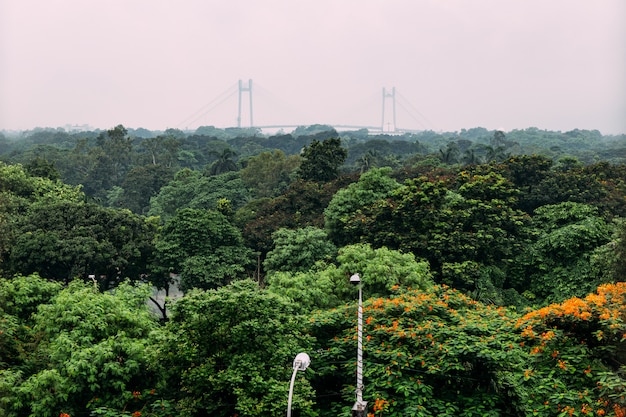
{"x":557,"y":65}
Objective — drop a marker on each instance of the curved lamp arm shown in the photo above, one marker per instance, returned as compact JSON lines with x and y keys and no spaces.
{"x":300,"y":363}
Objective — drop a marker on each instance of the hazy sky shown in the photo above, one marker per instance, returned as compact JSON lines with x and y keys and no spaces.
{"x":499,"y":64}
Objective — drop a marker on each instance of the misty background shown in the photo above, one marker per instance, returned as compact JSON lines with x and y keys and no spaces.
{"x":556,"y":65}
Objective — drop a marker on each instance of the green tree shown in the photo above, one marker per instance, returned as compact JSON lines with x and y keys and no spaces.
{"x":600,"y":184}
{"x":192,"y":189}
{"x":18,"y":192}
{"x":21,"y":295}
{"x":63,"y":239}
{"x":559,"y":260}
{"x":269,"y":173}
{"x":19,"y":299}
{"x":526,"y":172}
{"x":154,"y":146}
{"x":117,"y":151}
{"x":450,"y":155}
{"x":204,"y":248}
{"x":470,"y":217}
{"x":308,"y":290}
{"x":298,"y":250}
{"x":224,"y":162}
{"x":383,"y":272}
{"x":90,"y":350}
{"x":301,"y":205}
{"x":619,"y":267}
{"x":229,"y":352}
{"x":41,"y":167}
{"x":349,"y":202}
{"x":321,"y":160}
{"x":141,"y":184}
{"x":171,"y":145}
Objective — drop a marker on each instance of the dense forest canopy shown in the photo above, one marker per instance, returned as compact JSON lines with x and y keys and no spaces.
{"x":493,"y":267}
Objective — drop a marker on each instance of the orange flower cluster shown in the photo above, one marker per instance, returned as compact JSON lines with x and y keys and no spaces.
{"x":380,"y":404}
{"x":608,"y":304}
{"x":64,"y":415}
{"x":528,"y":332}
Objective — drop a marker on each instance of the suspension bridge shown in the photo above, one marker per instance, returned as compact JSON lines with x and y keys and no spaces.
{"x":396,"y":114}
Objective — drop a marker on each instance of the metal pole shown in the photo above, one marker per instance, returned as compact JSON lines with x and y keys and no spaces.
{"x":360,"y":407}
{"x":359,"y":351}
{"x":293,"y":379}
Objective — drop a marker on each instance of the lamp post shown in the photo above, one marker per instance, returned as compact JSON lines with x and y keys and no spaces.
{"x":300,"y":363}
{"x":360,"y":407}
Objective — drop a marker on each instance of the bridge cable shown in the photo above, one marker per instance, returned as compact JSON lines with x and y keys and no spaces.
{"x":415,"y":111}
{"x":210,"y":106}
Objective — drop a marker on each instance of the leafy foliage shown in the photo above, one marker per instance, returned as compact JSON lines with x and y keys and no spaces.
{"x":192,"y":189}
{"x":321,"y":160}
{"x":90,"y":350}
{"x":269,"y":173}
{"x":21,"y":295}
{"x":435,"y":353}
{"x":229,"y":351}
{"x":383,"y":271}
{"x":140,"y":185}
{"x":64,"y":239}
{"x":301,"y":205}
{"x":500,"y":227}
{"x":469,"y":217}
{"x":578,"y":351}
{"x":204,"y":248}
{"x":441,"y":353}
{"x":559,"y":260}
{"x":298,"y":250}
{"x":349,"y":202}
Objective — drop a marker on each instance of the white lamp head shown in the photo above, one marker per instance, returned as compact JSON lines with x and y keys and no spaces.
{"x":301,"y":362}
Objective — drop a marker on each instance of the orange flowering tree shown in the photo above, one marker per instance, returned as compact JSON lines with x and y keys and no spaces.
{"x":440,"y":353}
{"x":435,"y":353}
{"x":578,"y":354}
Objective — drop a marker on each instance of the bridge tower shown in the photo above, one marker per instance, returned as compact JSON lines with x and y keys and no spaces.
{"x":245,"y":89}
{"x":392,"y":96}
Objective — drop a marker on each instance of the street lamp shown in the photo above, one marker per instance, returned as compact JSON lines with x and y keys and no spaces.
{"x":300,"y":363}
{"x":360,"y":407}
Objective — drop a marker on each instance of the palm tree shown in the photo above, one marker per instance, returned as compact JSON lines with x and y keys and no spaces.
{"x":450,"y":155}
{"x":367,"y":161}
{"x":224,"y":162}
{"x":470,"y":157}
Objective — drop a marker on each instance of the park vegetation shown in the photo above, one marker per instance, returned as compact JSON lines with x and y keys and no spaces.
{"x":493,"y":267}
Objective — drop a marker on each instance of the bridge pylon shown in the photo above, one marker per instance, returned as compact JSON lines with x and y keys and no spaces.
{"x":244,"y":89}
{"x":392,"y":96}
